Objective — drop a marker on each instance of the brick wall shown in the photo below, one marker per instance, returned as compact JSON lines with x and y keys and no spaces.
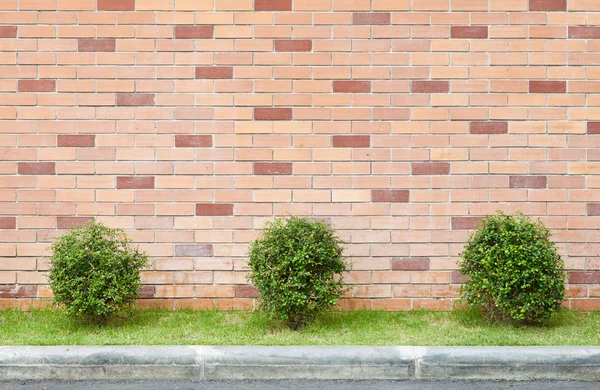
{"x":190,"y":123}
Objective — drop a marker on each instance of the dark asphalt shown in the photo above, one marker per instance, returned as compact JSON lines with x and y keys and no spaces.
{"x":298,"y":384}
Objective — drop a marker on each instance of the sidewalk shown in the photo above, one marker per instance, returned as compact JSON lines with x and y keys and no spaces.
{"x":357,"y":363}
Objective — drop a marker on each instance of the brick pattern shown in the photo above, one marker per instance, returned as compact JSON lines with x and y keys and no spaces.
{"x":192,"y":123}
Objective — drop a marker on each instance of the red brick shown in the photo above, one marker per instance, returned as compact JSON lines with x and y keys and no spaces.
{"x":293,"y":45}
{"x":17,"y":291}
{"x":146,"y":292}
{"x":458,"y":278}
{"x":272,"y":168}
{"x":465,"y":222}
{"x":78,"y":140}
{"x":547,"y":86}
{"x":105,"y":45}
{"x":133,"y":182}
{"x":8,"y":222}
{"x":8,"y":32}
{"x":584,"y":32}
{"x":135,"y":99}
{"x":246,"y":291}
{"x":593,"y":209}
{"x":116,"y":5}
{"x":410,"y":264}
{"x":476,"y":32}
{"x":214,"y":209}
{"x":193,"y":141}
{"x":371,"y":18}
{"x":430,"y":168}
{"x":272,"y":5}
{"x":576,"y":277}
{"x":489,"y":128}
{"x":214,"y":72}
{"x":351,"y":141}
{"x":389,"y":195}
{"x":527,"y":182}
{"x":37,"y":85}
{"x":547,"y":5}
{"x":272,"y":114}
{"x":37,"y":168}
{"x":593,"y":128}
{"x":72,"y":222}
{"x":200,"y":250}
{"x":350,"y":86}
{"x":193,"y":32}
{"x":430,"y":86}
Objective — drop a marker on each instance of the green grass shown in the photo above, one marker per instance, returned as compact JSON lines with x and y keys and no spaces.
{"x":161,"y":327}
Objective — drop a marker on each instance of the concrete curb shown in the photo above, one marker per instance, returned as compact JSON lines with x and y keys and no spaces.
{"x":358,"y":363}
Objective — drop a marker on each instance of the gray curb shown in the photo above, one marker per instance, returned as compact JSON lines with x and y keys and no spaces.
{"x":358,"y":363}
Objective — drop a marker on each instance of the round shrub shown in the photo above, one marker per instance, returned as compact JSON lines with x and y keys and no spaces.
{"x":297,"y":267}
{"x":95,"y":272}
{"x":516,"y":274}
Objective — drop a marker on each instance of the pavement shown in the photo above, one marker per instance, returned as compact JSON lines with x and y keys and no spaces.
{"x":203,"y":363}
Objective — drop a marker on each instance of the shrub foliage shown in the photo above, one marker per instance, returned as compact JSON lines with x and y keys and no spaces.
{"x":94,"y":271}
{"x":297,"y":267}
{"x":516,"y":274}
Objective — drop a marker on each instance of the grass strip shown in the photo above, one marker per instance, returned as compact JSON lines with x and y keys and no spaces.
{"x":377,"y":328}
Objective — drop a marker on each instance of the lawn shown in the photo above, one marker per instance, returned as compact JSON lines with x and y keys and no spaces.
{"x":162,"y":327}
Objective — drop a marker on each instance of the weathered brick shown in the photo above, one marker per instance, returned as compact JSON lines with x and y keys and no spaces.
{"x":72,"y":222}
{"x":465,"y":222}
{"x":272,"y":5}
{"x":351,"y":141}
{"x":133,"y":182}
{"x":193,"y":32}
{"x":96,"y":45}
{"x":37,"y":85}
{"x":477,"y":32}
{"x":578,"y":277}
{"x":430,"y":168}
{"x":389,"y":195}
{"x":204,"y":250}
{"x":351,"y":86}
{"x":214,"y":209}
{"x":547,"y":86}
{"x":291,"y":45}
{"x":371,"y":18}
{"x":146,"y":292}
{"x":246,"y":291}
{"x":410,"y":264}
{"x":458,"y":278}
{"x":430,"y":86}
{"x":193,"y":141}
{"x":577,"y":32}
{"x":272,"y":168}
{"x":489,"y":128}
{"x":272,"y":114}
{"x":214,"y":72}
{"x":547,"y":5}
{"x":135,"y":99}
{"x":8,"y":31}
{"x":116,"y":5}
{"x":37,"y":168}
{"x":8,"y":222}
{"x":76,"y":140}
{"x":17,"y":291}
{"x":528,"y":182}
{"x":593,"y":209}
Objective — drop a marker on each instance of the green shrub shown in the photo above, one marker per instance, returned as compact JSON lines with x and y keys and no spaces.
{"x":94,"y":271}
{"x":297,"y":267}
{"x":516,"y":274}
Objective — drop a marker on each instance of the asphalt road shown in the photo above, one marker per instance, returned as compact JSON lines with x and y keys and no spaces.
{"x":298,"y":384}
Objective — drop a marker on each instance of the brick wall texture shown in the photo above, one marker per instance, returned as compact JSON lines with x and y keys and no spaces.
{"x":190,"y":123}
